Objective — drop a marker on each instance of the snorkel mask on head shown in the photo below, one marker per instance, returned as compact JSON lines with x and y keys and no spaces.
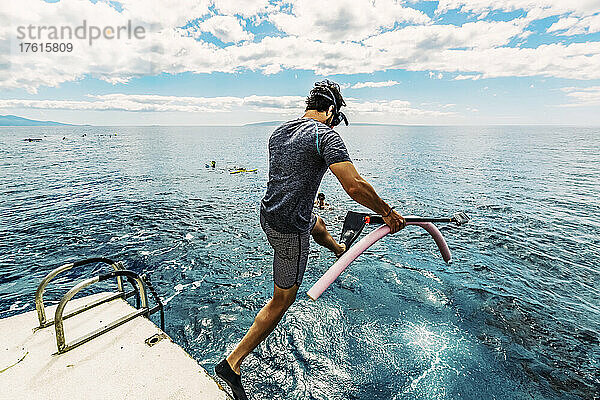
{"x":323,"y":89}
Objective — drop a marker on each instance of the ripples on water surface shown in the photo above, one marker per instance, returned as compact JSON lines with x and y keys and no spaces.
{"x":515,"y":316}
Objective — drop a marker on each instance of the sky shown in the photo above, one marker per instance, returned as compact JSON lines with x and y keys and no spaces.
{"x":231,"y":62}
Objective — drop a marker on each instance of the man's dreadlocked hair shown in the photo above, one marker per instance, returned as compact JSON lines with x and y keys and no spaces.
{"x":320,"y":98}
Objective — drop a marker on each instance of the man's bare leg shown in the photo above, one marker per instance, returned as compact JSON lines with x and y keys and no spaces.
{"x":324,"y":238}
{"x":269,"y":316}
{"x":265,"y":321}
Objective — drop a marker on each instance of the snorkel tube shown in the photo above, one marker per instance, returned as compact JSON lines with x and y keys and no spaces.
{"x":340,"y":265}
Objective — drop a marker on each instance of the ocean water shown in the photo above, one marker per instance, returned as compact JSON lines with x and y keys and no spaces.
{"x":516,"y":315}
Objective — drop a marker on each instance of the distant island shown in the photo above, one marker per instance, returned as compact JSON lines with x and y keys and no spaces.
{"x":276,"y":123}
{"x":268,"y":123}
{"x":13,"y":120}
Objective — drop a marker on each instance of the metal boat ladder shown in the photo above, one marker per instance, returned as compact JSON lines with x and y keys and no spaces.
{"x":141,"y":286}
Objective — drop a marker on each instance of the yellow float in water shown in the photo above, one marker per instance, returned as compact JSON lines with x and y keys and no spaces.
{"x":237,"y":171}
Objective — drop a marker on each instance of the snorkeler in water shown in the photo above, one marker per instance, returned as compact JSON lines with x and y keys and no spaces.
{"x":320,"y":202}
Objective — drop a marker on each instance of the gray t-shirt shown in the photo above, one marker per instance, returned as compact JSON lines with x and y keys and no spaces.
{"x":300,"y":151}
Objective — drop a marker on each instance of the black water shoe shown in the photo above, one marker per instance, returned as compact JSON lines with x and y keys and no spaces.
{"x":224,"y":371}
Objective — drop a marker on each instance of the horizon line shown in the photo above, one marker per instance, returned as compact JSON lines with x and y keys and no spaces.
{"x":72,"y":125}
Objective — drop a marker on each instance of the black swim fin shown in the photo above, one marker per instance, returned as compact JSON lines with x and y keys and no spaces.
{"x":353,"y":226}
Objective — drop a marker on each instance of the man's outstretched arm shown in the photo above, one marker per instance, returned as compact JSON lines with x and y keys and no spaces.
{"x":363,"y":193}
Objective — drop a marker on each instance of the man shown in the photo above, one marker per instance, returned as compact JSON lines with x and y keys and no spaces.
{"x":300,"y":151}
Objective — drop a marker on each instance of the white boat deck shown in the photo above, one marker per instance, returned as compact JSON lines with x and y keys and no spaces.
{"x":116,"y":365}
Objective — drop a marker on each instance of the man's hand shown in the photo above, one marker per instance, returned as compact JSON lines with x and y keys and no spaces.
{"x":363,"y":193}
{"x":395,"y":221}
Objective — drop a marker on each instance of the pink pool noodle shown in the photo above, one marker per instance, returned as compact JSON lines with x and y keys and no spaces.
{"x":340,"y":265}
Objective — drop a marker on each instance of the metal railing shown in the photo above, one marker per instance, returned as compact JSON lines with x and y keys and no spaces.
{"x":58,"y":315}
{"x":143,"y":308}
{"x":39,"y":294}
{"x":141,"y":287}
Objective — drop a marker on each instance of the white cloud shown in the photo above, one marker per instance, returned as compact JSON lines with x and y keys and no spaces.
{"x":429,"y":38}
{"x":574,"y":61}
{"x":162,"y":50}
{"x":479,"y":48}
{"x":153,"y":12}
{"x":157,"y":103}
{"x":563,"y":24}
{"x":283,"y":105}
{"x":125,"y":103}
{"x":465,"y":77}
{"x":361,"y":85}
{"x":299,"y":53}
{"x":245,"y":8}
{"x":393,"y":108}
{"x":576,"y":26}
{"x":274,"y":103}
{"x":340,"y":20}
{"x":347,"y":39}
{"x":226,"y":28}
{"x":583,"y":97}
{"x":541,"y":8}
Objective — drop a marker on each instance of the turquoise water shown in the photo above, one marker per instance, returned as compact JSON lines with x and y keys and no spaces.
{"x":515,"y":316}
